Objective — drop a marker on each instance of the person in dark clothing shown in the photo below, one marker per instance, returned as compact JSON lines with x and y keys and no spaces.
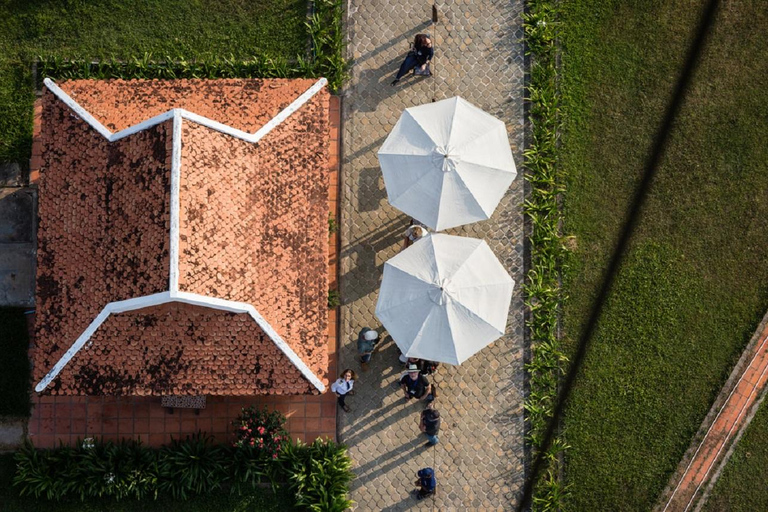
{"x":366,"y":342}
{"x":427,"y":483}
{"x":415,"y":385}
{"x":430,"y":424}
{"x":420,"y":55}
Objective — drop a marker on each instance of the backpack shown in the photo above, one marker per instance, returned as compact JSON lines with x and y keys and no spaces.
{"x":431,"y":421}
{"x":427,"y":479}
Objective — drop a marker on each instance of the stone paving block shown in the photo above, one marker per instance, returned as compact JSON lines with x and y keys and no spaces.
{"x":479,"y":56}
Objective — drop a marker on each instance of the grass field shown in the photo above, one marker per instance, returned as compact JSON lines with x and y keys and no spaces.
{"x":94,"y":29}
{"x":741,"y":487}
{"x":262,"y":500}
{"x":694,"y":284}
{"x":14,"y":365}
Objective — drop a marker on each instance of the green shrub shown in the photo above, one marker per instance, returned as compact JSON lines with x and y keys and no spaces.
{"x":334,"y":299}
{"x":260,"y":430}
{"x":319,"y":474}
{"x":327,"y":59}
{"x":192,"y":466}
{"x":542,"y":289}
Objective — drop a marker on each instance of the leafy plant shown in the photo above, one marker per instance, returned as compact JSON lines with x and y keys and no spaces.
{"x":542,"y":288}
{"x":261,"y":431}
{"x":319,"y":475}
{"x":333,"y":226}
{"x":192,"y":466}
{"x":334,"y":300}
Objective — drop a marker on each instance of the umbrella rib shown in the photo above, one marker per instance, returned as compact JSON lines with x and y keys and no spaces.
{"x":421,"y":126}
{"x":400,"y":304}
{"x":423,"y":176}
{"x":472,"y":195}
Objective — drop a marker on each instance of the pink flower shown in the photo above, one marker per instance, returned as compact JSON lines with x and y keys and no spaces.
{"x":252,"y":442}
{"x":274,"y":455}
{"x":261,"y":430}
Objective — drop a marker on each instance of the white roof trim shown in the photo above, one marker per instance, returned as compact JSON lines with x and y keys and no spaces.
{"x":191,"y":116}
{"x":174,"y":295}
{"x":112,"y":307}
{"x":242,"y":307}
{"x":173,"y":283}
{"x":187,"y":298}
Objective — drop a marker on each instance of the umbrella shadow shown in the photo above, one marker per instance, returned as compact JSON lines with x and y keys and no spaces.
{"x":371,"y":190}
{"x":365,"y":273}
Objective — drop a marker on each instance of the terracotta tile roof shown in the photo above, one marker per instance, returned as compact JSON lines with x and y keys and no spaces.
{"x":243,"y":104}
{"x":252,"y":229}
{"x":178,"y":349}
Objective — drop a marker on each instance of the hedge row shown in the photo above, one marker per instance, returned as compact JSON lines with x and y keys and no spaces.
{"x":318,"y":474}
{"x":326,"y":59}
{"x":543,"y":290}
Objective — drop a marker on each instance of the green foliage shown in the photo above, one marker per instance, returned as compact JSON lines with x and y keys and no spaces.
{"x":334,"y":299}
{"x":319,"y":475}
{"x":694,"y":283}
{"x":327,"y":59}
{"x":192,"y":466}
{"x":14,"y":365}
{"x":326,"y":31}
{"x":260,"y":430}
{"x":542,"y":287}
{"x":333,"y":226}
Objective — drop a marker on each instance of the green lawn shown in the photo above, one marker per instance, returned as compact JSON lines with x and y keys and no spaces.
{"x":741,"y":487}
{"x":14,"y":365}
{"x":695,"y":283}
{"x":263,"y":500}
{"x":92,"y":29}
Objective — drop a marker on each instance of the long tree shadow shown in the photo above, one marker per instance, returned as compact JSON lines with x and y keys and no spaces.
{"x":396,"y":456}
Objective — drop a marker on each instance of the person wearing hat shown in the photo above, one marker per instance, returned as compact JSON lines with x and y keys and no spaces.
{"x":416,"y":385}
{"x":366,"y":341}
{"x":415,"y":232}
{"x":427,"y":483}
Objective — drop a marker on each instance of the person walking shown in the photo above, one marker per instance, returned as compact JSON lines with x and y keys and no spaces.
{"x":343,"y":387}
{"x":427,"y":483}
{"x":366,"y":342}
{"x":430,"y":424}
{"x":420,"y":55}
{"x":416,"y":385}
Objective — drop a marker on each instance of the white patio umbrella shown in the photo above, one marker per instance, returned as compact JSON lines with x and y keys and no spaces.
{"x":447,"y":163}
{"x":444,"y":298}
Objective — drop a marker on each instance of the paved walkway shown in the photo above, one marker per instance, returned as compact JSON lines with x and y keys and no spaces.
{"x":479,"y":460}
{"x":727,"y":420}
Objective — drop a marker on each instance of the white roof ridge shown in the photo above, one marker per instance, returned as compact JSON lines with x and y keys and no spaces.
{"x":191,"y":116}
{"x":187,"y":298}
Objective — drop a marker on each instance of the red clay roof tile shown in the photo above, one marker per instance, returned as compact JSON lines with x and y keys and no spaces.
{"x":253,"y":229}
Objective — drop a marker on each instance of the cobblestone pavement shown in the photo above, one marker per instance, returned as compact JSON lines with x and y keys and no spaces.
{"x":479,"y":461}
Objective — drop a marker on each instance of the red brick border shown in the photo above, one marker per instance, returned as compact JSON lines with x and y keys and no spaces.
{"x":723,"y":426}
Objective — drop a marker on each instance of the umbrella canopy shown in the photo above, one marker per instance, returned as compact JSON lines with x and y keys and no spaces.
{"x":447,"y":163}
{"x":444,"y":298}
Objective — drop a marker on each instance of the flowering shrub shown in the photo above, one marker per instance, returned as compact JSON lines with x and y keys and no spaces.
{"x":260,"y":430}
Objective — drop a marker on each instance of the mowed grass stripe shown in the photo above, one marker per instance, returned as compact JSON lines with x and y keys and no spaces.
{"x":693,"y":287}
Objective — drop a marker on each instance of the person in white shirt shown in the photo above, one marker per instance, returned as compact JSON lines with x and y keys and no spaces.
{"x":343,"y":387}
{"x":416,"y":231}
